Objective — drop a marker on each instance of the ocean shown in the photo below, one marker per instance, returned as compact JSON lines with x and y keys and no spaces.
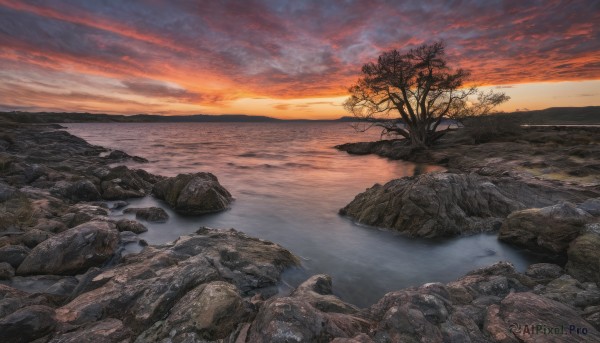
{"x":289,"y":183}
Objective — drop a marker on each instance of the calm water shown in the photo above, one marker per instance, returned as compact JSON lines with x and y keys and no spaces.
{"x":289,"y":184}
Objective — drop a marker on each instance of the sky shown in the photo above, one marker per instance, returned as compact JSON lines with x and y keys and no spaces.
{"x":285,"y":59}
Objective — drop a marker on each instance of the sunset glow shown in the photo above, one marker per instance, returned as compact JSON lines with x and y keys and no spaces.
{"x":286,"y":59}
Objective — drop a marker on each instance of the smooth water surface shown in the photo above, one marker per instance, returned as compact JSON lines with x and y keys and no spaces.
{"x":289,"y":184}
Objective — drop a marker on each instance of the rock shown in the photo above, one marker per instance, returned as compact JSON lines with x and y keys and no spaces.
{"x":104,"y":331}
{"x":131,"y":225}
{"x":117,"y":205}
{"x":193,"y":194}
{"x":150,"y":283}
{"x":121,"y":155}
{"x":6,"y":271}
{"x":73,"y":251}
{"x":317,"y":290}
{"x":290,"y":319}
{"x":82,"y":213}
{"x":7,"y":192}
{"x":432,"y":205}
{"x":544,"y":271}
{"x":584,"y":257}
{"x":591,"y":206}
{"x":151,"y":214}
{"x":83,"y":190}
{"x":123,"y":183}
{"x":13,"y":254}
{"x":50,"y":225}
{"x":549,"y":229}
{"x":527,"y":317}
{"x":27,"y":324}
{"x":568,"y":290}
{"x":33,"y":237}
{"x":210,"y":311}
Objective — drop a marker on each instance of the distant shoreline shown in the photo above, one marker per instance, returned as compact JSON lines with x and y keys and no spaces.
{"x":551,"y":116}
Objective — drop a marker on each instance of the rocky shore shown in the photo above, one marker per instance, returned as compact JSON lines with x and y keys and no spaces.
{"x":64,"y":278}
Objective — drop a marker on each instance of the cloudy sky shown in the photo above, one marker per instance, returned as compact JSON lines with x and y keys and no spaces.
{"x":287,"y":59}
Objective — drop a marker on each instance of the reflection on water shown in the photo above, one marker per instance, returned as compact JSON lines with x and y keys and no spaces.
{"x":289,"y":184}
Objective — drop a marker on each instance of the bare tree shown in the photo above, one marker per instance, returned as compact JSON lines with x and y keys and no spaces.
{"x":409,"y":95}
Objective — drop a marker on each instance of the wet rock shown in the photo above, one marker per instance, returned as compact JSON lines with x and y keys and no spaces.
{"x":549,"y":229}
{"x":151,"y":214}
{"x":13,"y":254}
{"x":121,"y":155}
{"x":6,"y":271}
{"x":131,"y":225}
{"x":27,"y":324}
{"x":117,"y":205}
{"x":193,"y":194}
{"x":584,"y":255}
{"x":431,"y":205}
{"x":72,"y":251}
{"x":104,"y":331}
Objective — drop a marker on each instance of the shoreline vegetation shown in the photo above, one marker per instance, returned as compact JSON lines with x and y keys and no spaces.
{"x":64,"y":279}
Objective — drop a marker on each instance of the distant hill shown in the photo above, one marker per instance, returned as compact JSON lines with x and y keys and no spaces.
{"x":561,"y":116}
{"x":550,"y":116}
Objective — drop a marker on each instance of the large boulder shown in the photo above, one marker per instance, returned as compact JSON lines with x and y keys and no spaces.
{"x":584,"y":255}
{"x":143,"y":288}
{"x":193,"y":194}
{"x":549,"y":229}
{"x":73,"y":251}
{"x":430,"y":205}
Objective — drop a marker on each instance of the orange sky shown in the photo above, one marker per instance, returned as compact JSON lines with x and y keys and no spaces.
{"x":287,"y":59}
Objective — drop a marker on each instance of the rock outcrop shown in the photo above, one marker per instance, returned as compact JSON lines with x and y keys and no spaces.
{"x":549,"y":229}
{"x":193,"y":194}
{"x":72,"y":251}
{"x":434,"y":205}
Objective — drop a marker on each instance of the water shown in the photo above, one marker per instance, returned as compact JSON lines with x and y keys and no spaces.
{"x":289,"y":184}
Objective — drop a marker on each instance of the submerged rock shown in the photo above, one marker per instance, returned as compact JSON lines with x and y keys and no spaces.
{"x":151,"y":214}
{"x":193,"y":194}
{"x":432,"y":205}
{"x":131,"y":225}
{"x":73,"y":251}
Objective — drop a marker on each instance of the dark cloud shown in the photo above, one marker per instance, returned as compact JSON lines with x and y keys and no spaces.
{"x":214,"y":51}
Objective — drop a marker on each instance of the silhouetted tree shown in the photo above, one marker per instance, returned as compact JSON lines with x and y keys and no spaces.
{"x":409,"y":94}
